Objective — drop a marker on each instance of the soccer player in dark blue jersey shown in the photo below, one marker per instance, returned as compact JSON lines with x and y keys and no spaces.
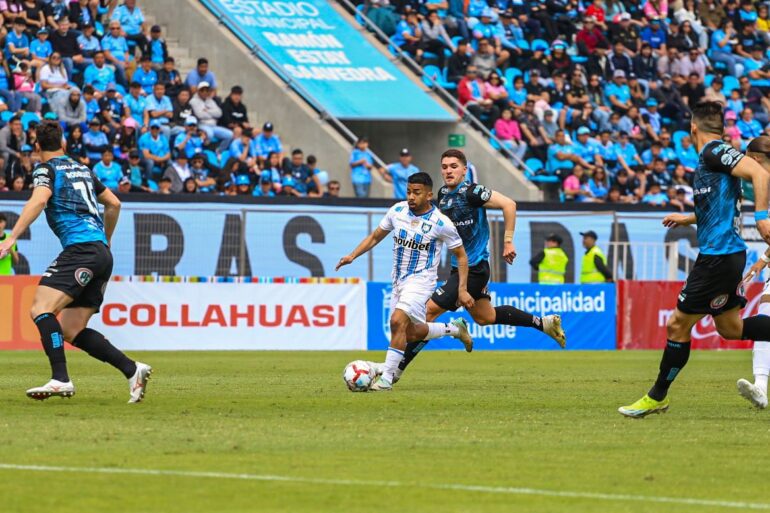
{"x":73,"y":286}
{"x":712,"y":288}
{"x":466,"y":204}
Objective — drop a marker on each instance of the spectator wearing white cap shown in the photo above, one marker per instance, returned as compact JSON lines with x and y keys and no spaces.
{"x":618,"y":93}
{"x":399,"y":172}
{"x":208,"y":113}
{"x":192,"y":140}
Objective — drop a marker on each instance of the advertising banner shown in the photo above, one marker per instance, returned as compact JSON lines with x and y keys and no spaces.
{"x":337,"y":66}
{"x":645,"y":306}
{"x":587,"y":312}
{"x":140,"y":315}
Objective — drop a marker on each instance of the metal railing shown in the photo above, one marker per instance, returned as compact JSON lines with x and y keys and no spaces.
{"x":436,"y":87}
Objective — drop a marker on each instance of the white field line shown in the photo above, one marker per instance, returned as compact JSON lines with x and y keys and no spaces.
{"x":500,"y":490}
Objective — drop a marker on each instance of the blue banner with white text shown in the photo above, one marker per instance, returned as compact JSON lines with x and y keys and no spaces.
{"x":337,"y":66}
{"x":587,"y":312}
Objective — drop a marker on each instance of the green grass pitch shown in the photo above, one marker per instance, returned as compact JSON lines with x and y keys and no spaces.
{"x":485,"y":432}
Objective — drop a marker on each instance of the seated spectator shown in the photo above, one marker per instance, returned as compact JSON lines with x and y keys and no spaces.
{"x":693,"y":91}
{"x":659,"y":174}
{"x":628,"y":157}
{"x":65,"y":42}
{"x":534,"y":133}
{"x":200,"y":74}
{"x":731,"y":128}
{"x":208,"y":114}
{"x":722,"y":42}
{"x":562,"y":156}
{"x":111,"y":109}
{"x":670,"y":103}
{"x":519,"y":93}
{"x":508,"y":131}
{"x":17,"y":43}
{"x":613,"y":196}
{"x":154,"y":148}
{"x":115,"y":49}
{"x":190,"y":186}
{"x":651,"y":116}
{"x":618,"y":93}
{"x":40,"y":49}
{"x":182,"y":109}
{"x":243,"y":184}
{"x":98,"y":74}
{"x":471,"y":96}
{"x":576,"y":186}
{"x":156,"y":48}
{"x":361,"y":164}
{"x":72,"y":111}
{"x":305,"y":181}
{"x":587,"y":148}
{"x":599,"y":185}
{"x":75,"y":146}
{"x":488,"y":58}
{"x":715,"y":93}
{"x":655,"y":196}
{"x":458,"y":62}
{"x":135,"y":170}
{"x":24,"y":86}
{"x":495,"y":90}
{"x":204,"y":173}
{"x":171,"y":78}
{"x":332,"y":189}
{"x":18,"y":184}
{"x":157,"y":106}
{"x":21,"y":166}
{"x":234,"y":113}
{"x":435,"y":38}
{"x":136,"y":103}
{"x":108,"y":171}
{"x":267,"y":142}
{"x":550,"y":125}
{"x":693,"y":62}
{"x":95,"y":141}
{"x":408,"y":35}
{"x":243,"y":149}
{"x":265,"y":189}
{"x":399,"y":172}
{"x":164,"y":185}
{"x":131,"y":19}
{"x":748,"y":126}
{"x":191,"y":141}
{"x":273,"y":165}
{"x":619,"y":59}
{"x":589,"y":37}
{"x":687,"y":154}
{"x":599,"y":63}
{"x":654,"y":34}
{"x":177,"y":172}
{"x":126,"y":139}
{"x":145,"y":75}
{"x":646,"y":66}
{"x":608,"y":151}
{"x":53,"y":79}
{"x":125,"y":186}
{"x":757,"y":68}
{"x":89,"y":44}
{"x":629,"y":187}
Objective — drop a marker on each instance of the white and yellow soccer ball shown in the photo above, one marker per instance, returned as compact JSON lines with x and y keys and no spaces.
{"x":358,"y":376}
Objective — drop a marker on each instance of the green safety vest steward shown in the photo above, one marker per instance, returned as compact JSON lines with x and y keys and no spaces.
{"x":553,"y":267}
{"x":589,"y":273}
{"x":6,"y":264}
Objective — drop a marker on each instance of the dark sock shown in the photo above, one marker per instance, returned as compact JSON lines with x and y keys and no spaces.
{"x":53,"y":343}
{"x":674,"y":359}
{"x":756,"y":328}
{"x":94,"y":343}
{"x":511,"y":316}
{"x":411,"y":351}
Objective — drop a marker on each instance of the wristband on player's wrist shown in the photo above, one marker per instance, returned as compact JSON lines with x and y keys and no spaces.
{"x":760,"y":215}
{"x":764,"y":258}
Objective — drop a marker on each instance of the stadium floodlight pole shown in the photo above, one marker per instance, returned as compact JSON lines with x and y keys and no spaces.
{"x":435,"y":86}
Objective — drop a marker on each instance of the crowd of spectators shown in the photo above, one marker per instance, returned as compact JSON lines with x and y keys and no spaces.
{"x":595,"y":95}
{"x":128,"y":113}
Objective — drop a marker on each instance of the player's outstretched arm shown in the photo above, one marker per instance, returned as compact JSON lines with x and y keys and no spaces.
{"x":508,"y":206}
{"x":464,"y":299}
{"x":672,"y":220}
{"x":30,"y":212}
{"x":750,"y":169}
{"x":367,"y":244}
{"x":111,"y":212}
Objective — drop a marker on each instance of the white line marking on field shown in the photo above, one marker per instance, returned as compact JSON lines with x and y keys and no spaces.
{"x":503,"y":490}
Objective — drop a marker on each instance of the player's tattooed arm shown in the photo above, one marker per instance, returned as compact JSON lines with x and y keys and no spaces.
{"x":32,"y":209}
{"x":464,"y":299}
{"x":111,"y":212}
{"x":367,"y":244}
{"x":508,"y":206}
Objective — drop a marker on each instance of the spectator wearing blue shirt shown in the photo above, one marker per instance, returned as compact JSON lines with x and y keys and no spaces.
{"x":561,"y":155}
{"x":361,"y":164}
{"x":655,"y":35}
{"x":265,"y":189}
{"x":587,"y":148}
{"x":687,"y":154}
{"x":89,"y":43}
{"x":748,"y":126}
{"x":652,"y":115}
{"x":98,"y":74}
{"x":722,"y":41}
{"x":305,"y":181}
{"x":408,"y":35}
{"x":95,"y":141}
{"x":156,"y":48}
{"x":200,"y":74}
{"x":135,"y":103}
{"x":655,"y":197}
{"x":154,"y":148}
{"x":115,"y":48}
{"x":399,"y":172}
{"x":266,"y":143}
{"x":145,"y":75}
{"x":158,"y":106}
{"x":191,"y":140}
{"x":131,"y":19}
{"x":756,"y":68}
{"x":17,"y":43}
{"x":618,"y":93}
{"x":108,"y":171}
{"x":242,"y":148}
{"x":628,"y":157}
{"x":40,"y":49}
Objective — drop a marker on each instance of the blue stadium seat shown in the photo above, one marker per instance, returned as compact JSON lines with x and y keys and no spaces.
{"x":6,"y":116}
{"x":510,"y":76}
{"x":211,"y":157}
{"x":152,"y":185}
{"x":534,"y":164}
{"x":579,"y":59}
{"x":729,"y":84}
{"x":445,"y":83}
{"x":541,"y":44}
{"x":431,"y":72}
{"x":27,"y":118}
{"x":359,"y":12}
{"x":708,"y":79}
{"x":492,"y":142}
{"x":677,"y":137}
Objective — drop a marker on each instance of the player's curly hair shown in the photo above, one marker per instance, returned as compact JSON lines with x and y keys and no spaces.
{"x":709,"y":117}
{"x":457,"y":154}
{"x":49,"y":135}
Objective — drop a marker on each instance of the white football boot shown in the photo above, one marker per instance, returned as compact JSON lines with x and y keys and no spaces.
{"x":552,"y":328}
{"x":752,"y":393}
{"x":51,"y":389}
{"x":137,"y":384}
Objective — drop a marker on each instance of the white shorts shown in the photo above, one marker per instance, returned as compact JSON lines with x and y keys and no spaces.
{"x":411,"y":296}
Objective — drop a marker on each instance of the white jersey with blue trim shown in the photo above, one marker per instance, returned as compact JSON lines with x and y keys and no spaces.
{"x":417,"y":240}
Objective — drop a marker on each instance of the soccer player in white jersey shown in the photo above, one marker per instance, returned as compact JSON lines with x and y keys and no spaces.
{"x":419,"y":232}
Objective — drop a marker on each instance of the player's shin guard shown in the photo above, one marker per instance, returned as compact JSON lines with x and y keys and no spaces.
{"x":94,"y":343}
{"x":411,"y":352}
{"x":674,"y":359}
{"x":53,"y":343}
{"x":511,"y":316}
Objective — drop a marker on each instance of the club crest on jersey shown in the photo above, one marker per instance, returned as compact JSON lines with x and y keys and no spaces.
{"x":718,"y":302}
{"x":415,"y":222}
{"x":426,"y":227}
{"x":83,"y":276}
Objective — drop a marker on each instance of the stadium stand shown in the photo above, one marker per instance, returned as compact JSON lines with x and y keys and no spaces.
{"x":573,"y":88}
{"x":129,"y":112}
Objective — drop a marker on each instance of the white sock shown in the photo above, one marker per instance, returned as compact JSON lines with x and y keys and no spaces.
{"x":392,"y":358}
{"x":761,"y":361}
{"x":441,"y":329}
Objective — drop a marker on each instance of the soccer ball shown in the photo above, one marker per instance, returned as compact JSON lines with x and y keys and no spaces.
{"x":358,"y":376}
